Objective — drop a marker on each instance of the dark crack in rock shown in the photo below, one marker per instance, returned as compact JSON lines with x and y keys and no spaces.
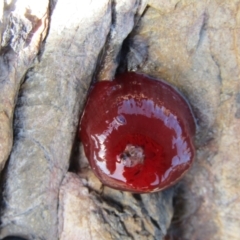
{"x":125,"y":15}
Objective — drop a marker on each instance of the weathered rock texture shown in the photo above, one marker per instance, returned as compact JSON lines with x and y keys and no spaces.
{"x":195,"y":46}
{"x":51,"y":96}
{"x":21,"y":32}
{"x":125,"y":14}
{"x":47,"y":115}
{"x":192,"y":44}
{"x":78,"y":214}
{"x":109,"y":214}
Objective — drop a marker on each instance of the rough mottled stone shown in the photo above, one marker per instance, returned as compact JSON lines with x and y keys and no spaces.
{"x":20,"y":36}
{"x":78,"y":214}
{"x":125,"y":14}
{"x":47,"y":115}
{"x":45,"y":124}
{"x":195,"y":46}
{"x":94,"y":212}
{"x":192,"y":44}
{"x":146,"y":217}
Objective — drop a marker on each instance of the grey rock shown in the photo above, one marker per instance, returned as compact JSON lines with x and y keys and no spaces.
{"x":47,"y":115}
{"x":125,"y":15}
{"x":94,"y":212}
{"x":18,"y":47}
{"x":194,"y":45}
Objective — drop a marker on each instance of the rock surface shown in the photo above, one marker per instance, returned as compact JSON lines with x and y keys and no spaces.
{"x":50,"y":98}
{"x":194,"y":45}
{"x":109,"y":214}
{"x":47,"y":115}
{"x":21,"y":32}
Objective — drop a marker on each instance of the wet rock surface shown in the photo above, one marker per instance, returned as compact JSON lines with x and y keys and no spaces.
{"x":194,"y":45}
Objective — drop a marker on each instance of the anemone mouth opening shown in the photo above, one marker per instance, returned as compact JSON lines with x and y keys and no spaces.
{"x":131,"y":156}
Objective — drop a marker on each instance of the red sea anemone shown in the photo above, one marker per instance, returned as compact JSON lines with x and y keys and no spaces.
{"x":137,"y":133}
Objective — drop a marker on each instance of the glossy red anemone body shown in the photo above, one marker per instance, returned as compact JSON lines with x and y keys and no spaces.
{"x":145,"y":117}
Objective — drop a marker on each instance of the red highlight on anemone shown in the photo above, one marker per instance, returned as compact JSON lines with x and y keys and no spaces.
{"x":137,"y":133}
